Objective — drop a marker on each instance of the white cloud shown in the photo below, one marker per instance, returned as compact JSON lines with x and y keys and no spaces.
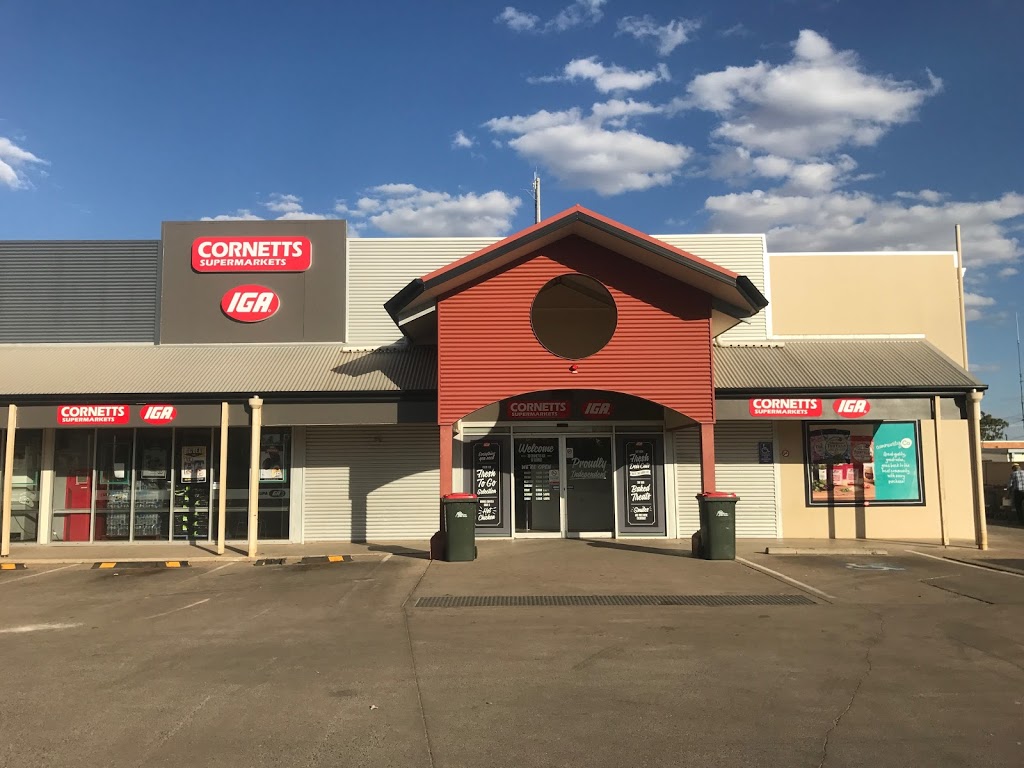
{"x":735,"y":163}
{"x":242,"y":214}
{"x":1008,"y":272}
{"x":408,"y":211}
{"x":736,"y":30}
{"x":583,"y":153}
{"x":856,"y":221}
{"x":287,"y":208}
{"x":985,"y":367}
{"x":279,"y":203}
{"x":667,"y":37}
{"x":607,"y":78}
{"x":924,"y":195}
{"x":977,"y":300}
{"x":461,"y":141}
{"x":578,"y":13}
{"x":14,"y":162}
{"x":973,"y":315}
{"x":517,"y":20}
{"x":819,"y":101}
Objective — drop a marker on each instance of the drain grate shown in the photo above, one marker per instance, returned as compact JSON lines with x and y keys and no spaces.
{"x":512,"y":601}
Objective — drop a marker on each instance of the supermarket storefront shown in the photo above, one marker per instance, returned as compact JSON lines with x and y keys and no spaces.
{"x":276,"y":380}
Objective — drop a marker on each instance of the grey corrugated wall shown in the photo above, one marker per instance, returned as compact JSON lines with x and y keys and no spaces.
{"x":78,"y":291}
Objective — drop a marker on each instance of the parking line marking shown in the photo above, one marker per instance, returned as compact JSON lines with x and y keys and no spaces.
{"x":183,"y":608}
{"x":38,"y":573}
{"x":218,"y":568}
{"x":965,"y":565}
{"x":36,"y":628}
{"x":785,"y":578}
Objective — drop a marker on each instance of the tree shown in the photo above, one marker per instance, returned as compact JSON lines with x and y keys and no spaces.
{"x":992,"y":427}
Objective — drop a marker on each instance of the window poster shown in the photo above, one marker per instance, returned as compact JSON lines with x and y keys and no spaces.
{"x":864,"y":463}
{"x":272,"y":462}
{"x":487,"y":482}
{"x":154,"y":463}
{"x":641,"y":509}
{"x":193,"y":464}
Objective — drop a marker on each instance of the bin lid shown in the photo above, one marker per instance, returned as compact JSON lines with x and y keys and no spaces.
{"x":716,"y":495}
{"x":459,"y":497}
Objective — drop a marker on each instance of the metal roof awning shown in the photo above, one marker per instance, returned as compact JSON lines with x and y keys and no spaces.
{"x":841,"y":365}
{"x":195,"y":369}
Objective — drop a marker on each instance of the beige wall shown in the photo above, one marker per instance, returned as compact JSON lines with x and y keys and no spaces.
{"x":867,"y":294}
{"x":877,"y":522}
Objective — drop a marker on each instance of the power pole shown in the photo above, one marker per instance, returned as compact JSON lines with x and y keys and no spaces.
{"x":1020,"y":371}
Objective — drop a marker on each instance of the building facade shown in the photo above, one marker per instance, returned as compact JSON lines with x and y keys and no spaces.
{"x":281,"y":380}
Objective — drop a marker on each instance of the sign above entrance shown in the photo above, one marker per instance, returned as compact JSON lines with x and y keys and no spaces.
{"x":785,"y":407}
{"x":252,"y":254}
{"x":158,"y":414}
{"x":852,"y":409}
{"x":250,"y":303}
{"x":522,"y":410}
{"x":92,"y":414}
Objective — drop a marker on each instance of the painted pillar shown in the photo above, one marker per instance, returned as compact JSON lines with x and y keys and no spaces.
{"x":5,"y":528}
{"x":974,"y":425}
{"x":707,"y":457}
{"x":256,"y":403}
{"x":222,"y":480}
{"x":937,"y":416}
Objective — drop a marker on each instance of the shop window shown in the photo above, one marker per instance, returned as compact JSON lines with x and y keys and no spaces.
{"x":863,"y":464}
{"x":191,"y":517}
{"x":114,"y":464}
{"x":28,"y":445}
{"x":274,"y":484}
{"x":152,"y":484}
{"x":573,"y":316}
{"x":72,"y":485}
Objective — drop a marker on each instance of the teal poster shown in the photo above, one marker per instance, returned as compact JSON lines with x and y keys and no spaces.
{"x":896,"y":472}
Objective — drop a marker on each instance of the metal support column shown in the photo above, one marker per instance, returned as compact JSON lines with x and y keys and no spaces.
{"x":974,"y":425}
{"x":256,"y":403}
{"x":5,"y":528}
{"x":222,"y":480}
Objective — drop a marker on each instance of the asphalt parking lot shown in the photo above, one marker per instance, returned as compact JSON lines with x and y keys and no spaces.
{"x":911,"y":661}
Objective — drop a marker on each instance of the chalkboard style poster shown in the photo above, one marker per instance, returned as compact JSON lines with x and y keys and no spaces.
{"x":641,"y":505}
{"x":487,"y":483}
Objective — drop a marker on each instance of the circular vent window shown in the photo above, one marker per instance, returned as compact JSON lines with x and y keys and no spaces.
{"x":573,"y":316}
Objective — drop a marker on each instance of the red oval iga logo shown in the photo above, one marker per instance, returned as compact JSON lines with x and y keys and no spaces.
{"x":852,"y":409}
{"x":250,"y":303}
{"x":158,"y":414}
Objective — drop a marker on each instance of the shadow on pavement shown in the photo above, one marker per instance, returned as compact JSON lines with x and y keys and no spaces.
{"x":418,"y":554}
{"x":638,"y":548}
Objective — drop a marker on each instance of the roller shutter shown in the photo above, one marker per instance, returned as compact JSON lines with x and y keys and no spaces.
{"x":687,"y":455}
{"x":371,"y":483}
{"x":738,"y":471}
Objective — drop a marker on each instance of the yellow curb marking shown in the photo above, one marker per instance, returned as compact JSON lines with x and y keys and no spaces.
{"x":172,"y":564}
{"x":7,"y":566}
{"x":107,"y":565}
{"x":335,"y":558}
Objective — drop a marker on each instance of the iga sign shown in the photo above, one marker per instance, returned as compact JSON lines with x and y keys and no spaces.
{"x":250,"y":303}
{"x":158,"y":414}
{"x":537,"y":409}
{"x":92,"y":414}
{"x":251,"y":254}
{"x":597,"y":409}
{"x":785,"y":407}
{"x":851,"y":409}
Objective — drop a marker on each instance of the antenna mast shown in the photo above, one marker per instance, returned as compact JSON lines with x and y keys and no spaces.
{"x":1020,"y":371}
{"x":536,"y":198}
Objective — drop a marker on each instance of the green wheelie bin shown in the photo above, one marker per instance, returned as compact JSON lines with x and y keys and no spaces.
{"x":459,"y":526}
{"x":717,"y":525}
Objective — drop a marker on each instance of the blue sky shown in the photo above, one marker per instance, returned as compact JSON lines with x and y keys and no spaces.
{"x":828,"y":124}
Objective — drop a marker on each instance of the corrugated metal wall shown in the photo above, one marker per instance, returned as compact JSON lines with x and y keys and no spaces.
{"x":78,"y":291}
{"x":371,"y":483}
{"x":738,"y":471}
{"x":380,"y":267}
{"x":740,"y":253}
{"x":660,"y":351}
{"x":687,"y":456}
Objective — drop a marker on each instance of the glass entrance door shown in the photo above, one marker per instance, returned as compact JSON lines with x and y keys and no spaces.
{"x":589,"y":485}
{"x":538,"y":485}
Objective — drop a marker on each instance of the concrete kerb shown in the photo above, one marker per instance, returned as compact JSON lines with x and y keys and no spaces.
{"x":847,"y":552}
{"x":205,"y":559}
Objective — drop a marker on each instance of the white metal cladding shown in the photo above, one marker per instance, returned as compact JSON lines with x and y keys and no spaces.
{"x":371,"y":483}
{"x":381,"y":267}
{"x":687,"y":453}
{"x":743,"y":254}
{"x":70,"y":291}
{"x":737,"y":470}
